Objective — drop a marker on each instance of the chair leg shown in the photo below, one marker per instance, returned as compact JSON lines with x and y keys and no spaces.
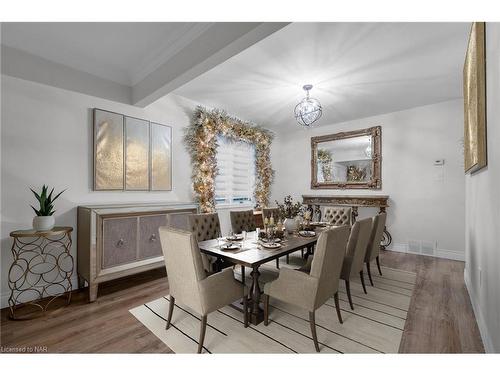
{"x":348,"y":290}
{"x":337,"y":307}
{"x":245,"y":311}
{"x":369,"y":273}
{"x":378,"y":265}
{"x":278,"y":263}
{"x":302,"y":253}
{"x":266,"y":309}
{"x":170,"y":311}
{"x":362,"y":277}
{"x":203,"y":328}
{"x":312,"y":323}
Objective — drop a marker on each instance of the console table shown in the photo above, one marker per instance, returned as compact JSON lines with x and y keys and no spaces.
{"x":42,"y":267}
{"x":120,"y":240}
{"x":353,"y":201}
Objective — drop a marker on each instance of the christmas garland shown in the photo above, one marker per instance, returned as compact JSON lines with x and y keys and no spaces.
{"x":201,"y":141}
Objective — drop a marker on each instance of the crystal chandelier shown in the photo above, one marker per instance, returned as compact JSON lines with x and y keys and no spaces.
{"x":308,"y":110}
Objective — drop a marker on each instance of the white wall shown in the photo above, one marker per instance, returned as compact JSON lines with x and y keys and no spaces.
{"x":482,"y":212}
{"x":47,"y":139}
{"x":427,"y":202}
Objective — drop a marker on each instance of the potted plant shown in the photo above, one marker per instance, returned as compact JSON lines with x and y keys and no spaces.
{"x":289,"y":210}
{"x":44,"y":220}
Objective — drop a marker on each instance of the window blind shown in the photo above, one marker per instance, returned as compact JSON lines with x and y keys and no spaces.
{"x":234,"y":183}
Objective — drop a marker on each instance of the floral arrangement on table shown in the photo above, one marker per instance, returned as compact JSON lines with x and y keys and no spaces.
{"x":288,"y":209}
{"x":291,"y":211}
{"x":201,"y":141}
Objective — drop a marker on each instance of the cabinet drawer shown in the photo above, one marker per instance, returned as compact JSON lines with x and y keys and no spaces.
{"x":119,"y":241}
{"x":149,"y":237}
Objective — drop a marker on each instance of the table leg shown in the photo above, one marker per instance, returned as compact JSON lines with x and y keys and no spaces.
{"x":218,"y":264}
{"x":256,"y":315}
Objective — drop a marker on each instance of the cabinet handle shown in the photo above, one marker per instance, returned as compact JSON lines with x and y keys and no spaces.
{"x":120,"y":242}
{"x":153,"y":237}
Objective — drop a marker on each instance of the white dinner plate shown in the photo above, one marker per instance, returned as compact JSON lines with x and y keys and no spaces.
{"x":276,"y":240}
{"x":307,"y":233}
{"x":229,"y":246}
{"x":234,"y":238}
{"x":271,"y":245}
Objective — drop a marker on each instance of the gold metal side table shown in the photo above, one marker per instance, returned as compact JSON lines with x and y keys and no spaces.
{"x":41,"y":269}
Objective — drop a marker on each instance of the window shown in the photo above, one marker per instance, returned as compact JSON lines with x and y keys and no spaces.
{"x":235,"y":181}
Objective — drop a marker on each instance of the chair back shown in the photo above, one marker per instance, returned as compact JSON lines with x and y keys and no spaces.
{"x":327,"y":262}
{"x":274,"y":211}
{"x":338,"y":215}
{"x":184,"y":266}
{"x":242,"y":221}
{"x":204,"y":226}
{"x":357,"y":245}
{"x":377,"y":232}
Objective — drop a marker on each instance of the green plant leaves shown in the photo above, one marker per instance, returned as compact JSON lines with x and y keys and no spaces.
{"x":46,"y":201}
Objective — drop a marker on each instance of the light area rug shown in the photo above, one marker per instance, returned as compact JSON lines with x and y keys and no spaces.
{"x":374,"y":326}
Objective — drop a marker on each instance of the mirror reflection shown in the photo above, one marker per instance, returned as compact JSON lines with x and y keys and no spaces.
{"x":346,"y":160}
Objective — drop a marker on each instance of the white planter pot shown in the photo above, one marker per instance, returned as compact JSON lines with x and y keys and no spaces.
{"x":43,"y":223}
{"x":291,"y":225}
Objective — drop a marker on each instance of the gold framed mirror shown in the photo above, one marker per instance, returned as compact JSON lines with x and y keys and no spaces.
{"x":347,"y":160}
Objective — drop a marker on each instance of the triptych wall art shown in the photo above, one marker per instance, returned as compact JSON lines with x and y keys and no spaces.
{"x":131,"y":153}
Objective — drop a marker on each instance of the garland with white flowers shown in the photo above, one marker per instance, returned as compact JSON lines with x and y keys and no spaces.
{"x":201,"y":141}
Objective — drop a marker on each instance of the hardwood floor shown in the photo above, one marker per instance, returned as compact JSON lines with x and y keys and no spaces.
{"x":440,"y":320}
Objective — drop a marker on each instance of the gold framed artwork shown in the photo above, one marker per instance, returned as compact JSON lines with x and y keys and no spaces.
{"x":474,"y":81}
{"x":131,"y":153}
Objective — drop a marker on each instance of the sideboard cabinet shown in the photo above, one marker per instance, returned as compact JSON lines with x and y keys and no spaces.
{"x":120,"y":240}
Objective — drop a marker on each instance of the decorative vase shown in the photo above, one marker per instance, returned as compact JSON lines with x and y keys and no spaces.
{"x":290,"y":225}
{"x":43,"y":223}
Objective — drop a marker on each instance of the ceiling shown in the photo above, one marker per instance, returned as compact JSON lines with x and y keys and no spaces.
{"x":120,"y":52}
{"x":357,"y":69}
{"x":130,"y":62}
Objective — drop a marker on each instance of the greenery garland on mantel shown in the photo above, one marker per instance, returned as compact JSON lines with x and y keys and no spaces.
{"x":201,"y":141}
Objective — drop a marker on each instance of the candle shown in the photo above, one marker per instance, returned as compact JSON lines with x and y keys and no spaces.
{"x":266,"y":221}
{"x":271,"y":222}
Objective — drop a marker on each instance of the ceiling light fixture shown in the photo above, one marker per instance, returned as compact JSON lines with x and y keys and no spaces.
{"x":308,"y":110}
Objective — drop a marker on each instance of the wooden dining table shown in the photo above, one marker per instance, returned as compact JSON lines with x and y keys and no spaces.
{"x":253,"y":254}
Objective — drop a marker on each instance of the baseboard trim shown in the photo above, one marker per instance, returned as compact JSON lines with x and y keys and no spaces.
{"x":438,"y":253}
{"x":487,"y":343}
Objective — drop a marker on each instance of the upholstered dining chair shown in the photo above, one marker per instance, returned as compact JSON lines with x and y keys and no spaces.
{"x":311,"y":291}
{"x":373,"y":249}
{"x":338,"y":215}
{"x":355,"y":254}
{"x":242,"y":221}
{"x":205,"y":227}
{"x":189,"y":284}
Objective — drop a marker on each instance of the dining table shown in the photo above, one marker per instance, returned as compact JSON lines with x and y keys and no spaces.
{"x":252,"y":253}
